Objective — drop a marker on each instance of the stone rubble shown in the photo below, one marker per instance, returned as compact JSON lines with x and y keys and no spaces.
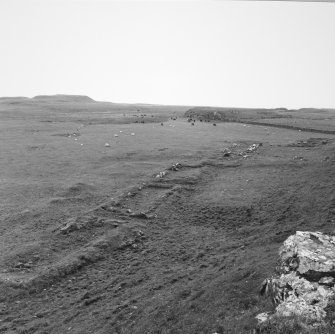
{"x":175,"y":167}
{"x":253,"y":148}
{"x":161,"y":175}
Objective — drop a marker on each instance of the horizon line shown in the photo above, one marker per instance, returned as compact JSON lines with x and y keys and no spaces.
{"x":164,"y":104}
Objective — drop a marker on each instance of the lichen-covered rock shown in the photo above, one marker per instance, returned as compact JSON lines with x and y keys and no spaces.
{"x":311,"y":254}
{"x":305,"y":282}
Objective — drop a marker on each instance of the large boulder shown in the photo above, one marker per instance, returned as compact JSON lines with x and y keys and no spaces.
{"x":310,"y":254}
{"x":304,"y":284}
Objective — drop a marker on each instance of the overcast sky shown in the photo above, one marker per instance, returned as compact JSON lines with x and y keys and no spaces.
{"x":221,"y":53}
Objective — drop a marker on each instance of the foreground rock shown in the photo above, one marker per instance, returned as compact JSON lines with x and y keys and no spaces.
{"x":304,"y":286}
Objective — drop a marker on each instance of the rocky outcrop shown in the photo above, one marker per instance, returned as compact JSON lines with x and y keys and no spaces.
{"x":310,"y":254}
{"x":304,"y":284}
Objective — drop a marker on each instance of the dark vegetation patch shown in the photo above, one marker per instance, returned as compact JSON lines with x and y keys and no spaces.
{"x":77,"y":190}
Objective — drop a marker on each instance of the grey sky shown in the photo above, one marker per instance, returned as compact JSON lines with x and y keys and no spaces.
{"x":227,"y":53}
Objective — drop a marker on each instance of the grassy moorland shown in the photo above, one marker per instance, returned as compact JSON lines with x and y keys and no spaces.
{"x":305,"y":119}
{"x":92,"y":241}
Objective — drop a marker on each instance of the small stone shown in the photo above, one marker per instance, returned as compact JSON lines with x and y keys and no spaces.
{"x":70,"y":226}
{"x":141,"y":215}
{"x":262,"y":317}
{"x":226,"y":152}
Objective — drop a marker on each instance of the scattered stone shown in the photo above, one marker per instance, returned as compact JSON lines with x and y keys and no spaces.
{"x":116,"y":135}
{"x":22,"y":265}
{"x":262,"y":317}
{"x":109,"y":208}
{"x":298,"y":158}
{"x":161,"y":174}
{"x":176,"y":167}
{"x":107,"y":145}
{"x":70,"y":226}
{"x":311,"y":142}
{"x":226,"y":152}
{"x":253,"y":148}
{"x":74,"y":224}
{"x":133,"y":134}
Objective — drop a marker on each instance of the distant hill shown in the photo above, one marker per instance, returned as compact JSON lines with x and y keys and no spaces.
{"x":52,"y":107}
{"x":14,"y":98}
{"x":64,"y":98}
